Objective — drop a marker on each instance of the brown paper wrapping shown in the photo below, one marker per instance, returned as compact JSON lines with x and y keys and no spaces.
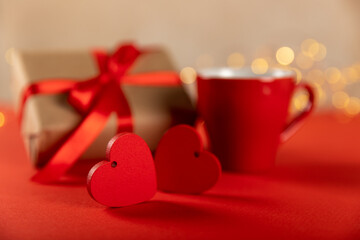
{"x":48,"y":119}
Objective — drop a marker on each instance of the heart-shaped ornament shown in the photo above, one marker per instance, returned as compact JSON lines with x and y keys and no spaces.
{"x":182,"y":166}
{"x":128,"y":177}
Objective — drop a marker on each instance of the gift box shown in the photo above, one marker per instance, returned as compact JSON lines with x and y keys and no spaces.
{"x":49,"y":119}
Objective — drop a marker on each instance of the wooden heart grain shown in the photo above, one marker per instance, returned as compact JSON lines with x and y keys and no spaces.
{"x":182,"y":166}
{"x":128,"y":177}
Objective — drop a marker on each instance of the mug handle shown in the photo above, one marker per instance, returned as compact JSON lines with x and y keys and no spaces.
{"x":296,"y":123}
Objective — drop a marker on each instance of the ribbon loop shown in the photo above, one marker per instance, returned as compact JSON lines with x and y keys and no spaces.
{"x":112,"y":68}
{"x":123,"y":58}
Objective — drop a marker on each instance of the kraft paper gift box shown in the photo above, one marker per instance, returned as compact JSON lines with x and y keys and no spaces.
{"x":48,"y":119}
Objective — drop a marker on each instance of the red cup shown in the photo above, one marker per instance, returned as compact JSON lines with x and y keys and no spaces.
{"x":246,"y":114}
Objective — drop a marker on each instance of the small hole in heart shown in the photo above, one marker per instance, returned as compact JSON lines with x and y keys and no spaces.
{"x":196,"y":154}
{"x":113,"y":164}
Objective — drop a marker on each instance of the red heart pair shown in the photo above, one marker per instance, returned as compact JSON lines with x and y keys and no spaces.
{"x":129,"y":176}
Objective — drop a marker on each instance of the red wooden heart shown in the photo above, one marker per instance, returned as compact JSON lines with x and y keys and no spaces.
{"x":128,"y":177}
{"x":182,"y":166}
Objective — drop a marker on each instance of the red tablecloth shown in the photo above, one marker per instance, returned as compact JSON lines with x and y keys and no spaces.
{"x":314,"y":193}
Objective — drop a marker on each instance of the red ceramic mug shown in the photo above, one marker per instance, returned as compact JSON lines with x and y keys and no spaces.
{"x":246,"y":114}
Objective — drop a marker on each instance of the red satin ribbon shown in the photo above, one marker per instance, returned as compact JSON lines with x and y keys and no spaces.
{"x":96,"y":99}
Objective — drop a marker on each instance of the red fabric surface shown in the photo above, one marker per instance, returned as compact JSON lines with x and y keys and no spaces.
{"x":314,"y":193}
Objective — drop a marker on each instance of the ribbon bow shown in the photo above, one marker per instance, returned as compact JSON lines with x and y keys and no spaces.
{"x":96,"y":99}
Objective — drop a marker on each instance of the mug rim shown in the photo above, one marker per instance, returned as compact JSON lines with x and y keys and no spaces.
{"x":227,"y":73}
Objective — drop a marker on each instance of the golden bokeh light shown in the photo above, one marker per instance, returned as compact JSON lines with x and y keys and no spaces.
{"x":188,"y":75}
{"x":338,"y":85}
{"x":301,"y":101}
{"x":310,"y":47}
{"x":315,"y":76}
{"x":320,"y":94}
{"x":353,"y":107}
{"x":285,"y":55}
{"x":236,"y":60}
{"x":205,"y":61}
{"x":303,"y":61}
{"x":350,"y":74}
{"x":340,"y":99}
{"x":259,"y":66}
{"x":332,"y":75}
{"x":2,"y":119}
{"x":321,"y":53}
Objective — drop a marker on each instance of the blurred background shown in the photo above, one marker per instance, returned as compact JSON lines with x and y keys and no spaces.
{"x":320,"y":40}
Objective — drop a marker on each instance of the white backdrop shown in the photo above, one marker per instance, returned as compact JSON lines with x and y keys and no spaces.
{"x":187,"y":28}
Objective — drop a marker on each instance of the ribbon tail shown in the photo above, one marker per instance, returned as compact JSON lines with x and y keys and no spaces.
{"x":77,"y":143}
